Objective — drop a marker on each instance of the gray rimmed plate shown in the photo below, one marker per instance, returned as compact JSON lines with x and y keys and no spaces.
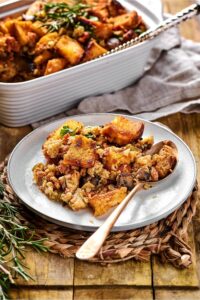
{"x":146,"y":207}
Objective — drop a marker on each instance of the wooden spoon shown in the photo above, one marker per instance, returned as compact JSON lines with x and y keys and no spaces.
{"x":93,"y":244}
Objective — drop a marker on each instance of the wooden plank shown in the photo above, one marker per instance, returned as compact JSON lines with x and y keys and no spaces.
{"x":40,"y":294}
{"x":177,"y":294}
{"x":128,"y":273}
{"x":115,"y":293}
{"x":9,"y":137}
{"x":167,"y":275}
{"x":48,"y":269}
{"x":188,"y":128}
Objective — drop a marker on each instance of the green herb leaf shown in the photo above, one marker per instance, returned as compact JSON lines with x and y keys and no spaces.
{"x":138,"y":30}
{"x":66,"y":130}
{"x":89,"y":135}
{"x":58,"y":15}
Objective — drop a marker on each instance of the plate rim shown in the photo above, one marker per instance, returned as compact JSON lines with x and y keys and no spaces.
{"x":94,"y":227}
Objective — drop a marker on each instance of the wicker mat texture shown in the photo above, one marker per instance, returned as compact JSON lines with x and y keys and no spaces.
{"x":167,"y":238}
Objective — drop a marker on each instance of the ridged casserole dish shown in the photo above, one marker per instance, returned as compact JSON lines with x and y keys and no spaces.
{"x":28,"y":101}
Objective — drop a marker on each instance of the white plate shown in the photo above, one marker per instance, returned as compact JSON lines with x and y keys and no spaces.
{"x":146,"y":207}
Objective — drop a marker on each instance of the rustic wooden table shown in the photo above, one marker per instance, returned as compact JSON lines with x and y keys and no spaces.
{"x":59,"y":278}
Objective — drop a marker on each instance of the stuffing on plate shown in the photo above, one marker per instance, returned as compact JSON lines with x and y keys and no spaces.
{"x":56,"y":34}
{"x":96,"y":166}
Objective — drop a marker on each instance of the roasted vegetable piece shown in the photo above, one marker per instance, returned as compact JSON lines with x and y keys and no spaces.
{"x":128,"y":21}
{"x":115,"y":8}
{"x":81,"y":153}
{"x":101,"y":203}
{"x":93,"y":50}
{"x":46,"y":42}
{"x":70,"y":49}
{"x":55,"y":65}
{"x":123,"y":131}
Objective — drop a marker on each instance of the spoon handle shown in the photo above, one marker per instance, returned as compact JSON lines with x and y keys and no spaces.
{"x":92,"y":245}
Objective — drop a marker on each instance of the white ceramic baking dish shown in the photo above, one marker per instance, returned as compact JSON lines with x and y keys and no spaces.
{"x":26,"y":102}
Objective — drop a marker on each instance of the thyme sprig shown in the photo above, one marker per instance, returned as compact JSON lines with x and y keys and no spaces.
{"x":58,"y":15}
{"x":14,"y":237}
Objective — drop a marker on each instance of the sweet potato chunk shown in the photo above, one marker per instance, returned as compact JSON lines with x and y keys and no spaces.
{"x":101,"y":203}
{"x":81,"y":153}
{"x":55,"y":65}
{"x":123,"y":131}
{"x":70,"y":49}
{"x":93,"y":50}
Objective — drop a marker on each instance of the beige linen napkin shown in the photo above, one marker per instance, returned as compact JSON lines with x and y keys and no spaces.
{"x":171,"y":84}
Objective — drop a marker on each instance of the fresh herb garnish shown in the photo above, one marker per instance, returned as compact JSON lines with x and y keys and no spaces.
{"x":58,"y":15}
{"x":89,"y":135}
{"x":14,"y":238}
{"x":138,"y":30}
{"x":66,"y":130}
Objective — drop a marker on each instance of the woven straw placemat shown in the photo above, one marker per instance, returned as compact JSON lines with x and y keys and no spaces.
{"x":167,"y":238}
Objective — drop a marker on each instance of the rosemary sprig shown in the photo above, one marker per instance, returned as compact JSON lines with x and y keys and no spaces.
{"x":58,"y":15}
{"x":14,"y":237}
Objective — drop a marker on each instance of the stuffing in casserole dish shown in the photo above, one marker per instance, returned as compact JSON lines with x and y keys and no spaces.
{"x":57,"y":34}
{"x":96,"y":166}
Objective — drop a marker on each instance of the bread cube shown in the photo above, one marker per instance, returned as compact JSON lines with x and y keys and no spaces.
{"x":43,"y":57}
{"x":55,"y":65}
{"x":54,"y":140}
{"x":72,"y":124}
{"x":126,"y":21}
{"x":24,"y":34}
{"x":93,"y":50}
{"x":70,"y":49}
{"x":81,"y":153}
{"x":123,"y":131}
{"x":101,"y":203}
{"x":115,"y":157}
{"x":46,"y":42}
